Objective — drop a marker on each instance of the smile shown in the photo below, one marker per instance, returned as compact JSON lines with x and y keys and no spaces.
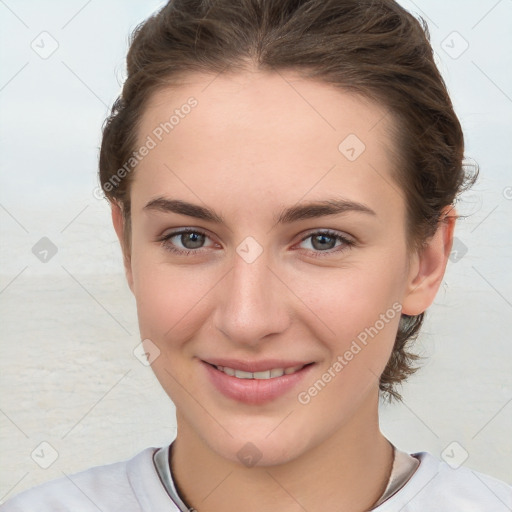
{"x":267,"y":381}
{"x":264,"y":375}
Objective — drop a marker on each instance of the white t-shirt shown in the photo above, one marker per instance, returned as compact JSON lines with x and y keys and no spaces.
{"x":134,"y":486}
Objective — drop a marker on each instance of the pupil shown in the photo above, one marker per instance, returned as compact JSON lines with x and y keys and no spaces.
{"x":322,"y":239}
{"x":192,"y":240}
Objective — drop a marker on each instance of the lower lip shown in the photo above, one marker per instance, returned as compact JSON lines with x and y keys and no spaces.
{"x":254,"y":391}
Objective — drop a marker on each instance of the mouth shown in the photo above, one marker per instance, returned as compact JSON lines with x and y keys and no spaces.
{"x":261,"y":375}
{"x":267,"y":381}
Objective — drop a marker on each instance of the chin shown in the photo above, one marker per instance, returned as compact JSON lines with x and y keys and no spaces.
{"x":260,"y":453}
{"x":259,"y":447}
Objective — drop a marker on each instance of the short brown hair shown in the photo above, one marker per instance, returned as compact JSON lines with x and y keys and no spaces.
{"x":373,"y":48}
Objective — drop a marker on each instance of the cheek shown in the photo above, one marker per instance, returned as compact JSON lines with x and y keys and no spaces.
{"x":365,"y":321}
{"x":348,"y":300}
{"x":358,"y":311}
{"x":171,"y":300}
{"x":171,"y":304}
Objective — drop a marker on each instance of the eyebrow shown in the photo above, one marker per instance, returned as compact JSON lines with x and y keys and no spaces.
{"x":309,"y":210}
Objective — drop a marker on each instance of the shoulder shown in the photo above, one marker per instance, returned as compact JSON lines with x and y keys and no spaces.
{"x":437,"y":486}
{"x":127,"y":486}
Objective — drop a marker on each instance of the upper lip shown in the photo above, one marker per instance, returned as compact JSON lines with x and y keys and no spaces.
{"x":255,"y":366}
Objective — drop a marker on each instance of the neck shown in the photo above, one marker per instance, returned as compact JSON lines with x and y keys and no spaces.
{"x":348,"y":471}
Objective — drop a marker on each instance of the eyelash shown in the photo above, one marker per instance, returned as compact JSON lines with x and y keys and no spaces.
{"x":347,"y":243}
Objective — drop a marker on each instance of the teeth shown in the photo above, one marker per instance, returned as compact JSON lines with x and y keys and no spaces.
{"x":243,"y":375}
{"x":263,"y":375}
{"x":268,"y":374}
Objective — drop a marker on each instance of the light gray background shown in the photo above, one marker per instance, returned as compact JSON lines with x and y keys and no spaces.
{"x":69,"y":377}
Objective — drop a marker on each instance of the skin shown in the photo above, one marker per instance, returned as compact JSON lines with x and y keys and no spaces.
{"x":255,"y":144}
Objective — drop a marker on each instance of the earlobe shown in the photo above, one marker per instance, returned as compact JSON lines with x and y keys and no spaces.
{"x":119,"y":227}
{"x":426,"y":274}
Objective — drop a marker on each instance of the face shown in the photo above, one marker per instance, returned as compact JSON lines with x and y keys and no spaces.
{"x":262,"y":278}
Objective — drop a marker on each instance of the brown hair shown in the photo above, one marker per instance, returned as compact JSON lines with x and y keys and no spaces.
{"x":371,"y":47}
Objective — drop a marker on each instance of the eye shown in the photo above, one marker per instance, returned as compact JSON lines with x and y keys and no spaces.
{"x":190,"y":239}
{"x":327,"y":242}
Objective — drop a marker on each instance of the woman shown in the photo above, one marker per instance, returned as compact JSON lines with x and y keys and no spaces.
{"x":282,"y":177}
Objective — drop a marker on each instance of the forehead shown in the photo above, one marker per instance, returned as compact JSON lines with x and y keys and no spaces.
{"x":261,"y":101}
{"x":266,"y":133}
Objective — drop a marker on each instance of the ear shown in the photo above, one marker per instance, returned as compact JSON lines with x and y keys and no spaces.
{"x":119,"y":226}
{"x":428,"y":266}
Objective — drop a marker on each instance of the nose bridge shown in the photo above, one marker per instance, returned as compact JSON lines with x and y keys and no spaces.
{"x":251,"y":305}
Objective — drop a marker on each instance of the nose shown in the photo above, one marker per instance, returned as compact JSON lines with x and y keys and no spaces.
{"x":252,"y":302}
